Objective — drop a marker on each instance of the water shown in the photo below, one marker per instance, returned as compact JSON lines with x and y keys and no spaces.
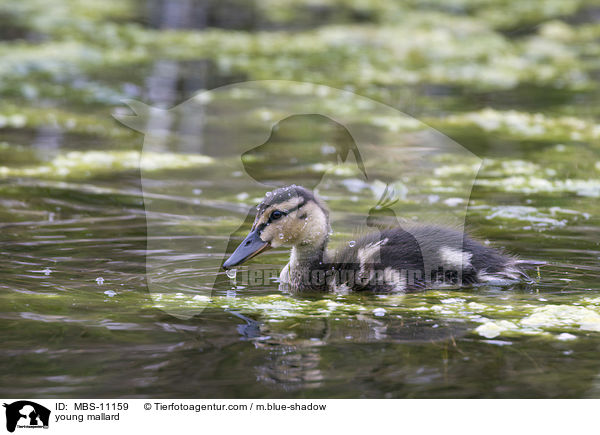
{"x":77,"y":317}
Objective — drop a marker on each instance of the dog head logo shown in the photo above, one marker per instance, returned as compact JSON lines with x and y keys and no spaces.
{"x":233,"y":143}
{"x":26,"y":414}
{"x":276,"y":161}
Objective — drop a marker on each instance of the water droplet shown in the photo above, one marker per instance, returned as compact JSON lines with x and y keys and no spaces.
{"x":110,"y":293}
{"x":379,"y":312}
{"x":351,"y":243}
{"x":231,"y":273}
{"x":99,"y":280}
{"x":47,"y":271}
{"x":281,"y":235}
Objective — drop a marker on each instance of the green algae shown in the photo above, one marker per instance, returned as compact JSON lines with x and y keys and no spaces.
{"x":499,"y":14}
{"x":26,"y":118}
{"x":509,"y":316}
{"x":381,"y":59}
{"x":85,"y":164}
{"x":552,"y":173}
{"x":16,"y":154}
{"x":458,"y":51}
{"x":525,"y":126}
{"x":529,"y":185}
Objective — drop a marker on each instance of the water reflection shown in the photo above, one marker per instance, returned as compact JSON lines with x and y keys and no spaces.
{"x":48,"y":141}
{"x":291,"y":351}
{"x":168,"y":82}
{"x":290,"y":368}
{"x":200,"y":14}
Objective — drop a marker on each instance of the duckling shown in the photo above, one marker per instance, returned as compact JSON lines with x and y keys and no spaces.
{"x":389,"y":260}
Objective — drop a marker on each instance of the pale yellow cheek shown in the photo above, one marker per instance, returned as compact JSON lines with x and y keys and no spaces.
{"x":276,"y":244}
{"x":274,"y":235}
{"x":280,"y":238}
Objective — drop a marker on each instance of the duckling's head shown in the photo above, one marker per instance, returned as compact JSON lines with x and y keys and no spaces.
{"x":288,"y":216}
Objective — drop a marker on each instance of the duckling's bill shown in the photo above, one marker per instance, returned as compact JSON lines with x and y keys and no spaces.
{"x":249,"y":248}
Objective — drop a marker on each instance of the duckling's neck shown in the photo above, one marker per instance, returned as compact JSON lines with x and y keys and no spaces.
{"x":304,"y":261}
{"x":307,"y":255}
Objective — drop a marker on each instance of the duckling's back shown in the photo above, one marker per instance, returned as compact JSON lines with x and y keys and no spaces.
{"x":400,"y":260}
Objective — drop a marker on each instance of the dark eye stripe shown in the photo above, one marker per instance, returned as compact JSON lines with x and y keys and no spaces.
{"x":295,"y":208}
{"x":264,"y":224}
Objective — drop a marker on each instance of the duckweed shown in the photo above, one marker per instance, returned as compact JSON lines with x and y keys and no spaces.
{"x":523,"y":316}
{"x":80,"y":164}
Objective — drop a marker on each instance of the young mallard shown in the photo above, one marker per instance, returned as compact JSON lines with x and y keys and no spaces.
{"x":389,"y":260}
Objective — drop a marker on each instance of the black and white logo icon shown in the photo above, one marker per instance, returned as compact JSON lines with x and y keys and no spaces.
{"x":26,"y":414}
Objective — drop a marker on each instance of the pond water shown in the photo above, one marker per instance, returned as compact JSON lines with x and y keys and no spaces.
{"x":80,"y":315}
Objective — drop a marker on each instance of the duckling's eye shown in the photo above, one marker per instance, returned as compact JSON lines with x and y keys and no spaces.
{"x":276,"y":215}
